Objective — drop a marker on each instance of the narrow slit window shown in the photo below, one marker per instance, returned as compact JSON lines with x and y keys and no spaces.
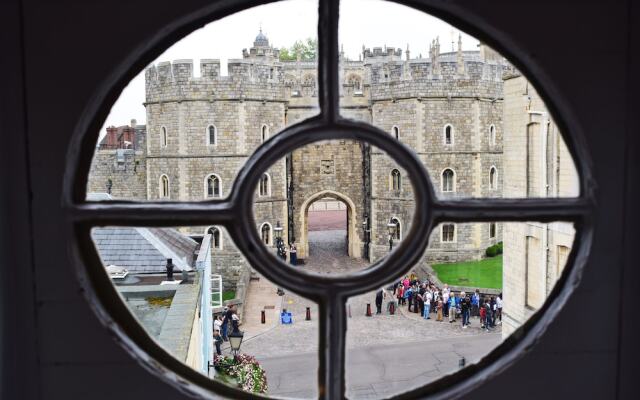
{"x":395,"y":180}
{"x":212,"y":135}
{"x":448,"y":135}
{"x":164,"y":187}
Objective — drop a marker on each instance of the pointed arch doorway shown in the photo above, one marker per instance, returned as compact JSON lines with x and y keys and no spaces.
{"x":353,"y":245}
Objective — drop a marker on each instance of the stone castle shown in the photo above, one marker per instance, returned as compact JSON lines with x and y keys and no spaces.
{"x":200,"y":131}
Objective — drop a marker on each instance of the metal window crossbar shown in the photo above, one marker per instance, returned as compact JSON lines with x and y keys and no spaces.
{"x":330,"y":292}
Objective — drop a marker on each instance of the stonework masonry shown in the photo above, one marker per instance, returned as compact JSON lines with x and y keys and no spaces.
{"x":537,"y":163}
{"x":208,"y":125}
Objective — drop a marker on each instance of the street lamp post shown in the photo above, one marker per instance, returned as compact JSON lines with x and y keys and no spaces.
{"x":392,"y":232}
{"x":235,"y":340}
{"x":282,"y":252}
{"x":365,"y":234}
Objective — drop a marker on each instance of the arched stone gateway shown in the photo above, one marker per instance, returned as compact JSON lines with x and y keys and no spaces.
{"x":354,"y":244}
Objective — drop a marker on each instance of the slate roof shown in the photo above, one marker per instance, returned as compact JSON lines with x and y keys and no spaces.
{"x":144,"y":250}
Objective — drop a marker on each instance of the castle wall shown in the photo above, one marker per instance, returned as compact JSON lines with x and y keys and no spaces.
{"x":534,"y":253}
{"x":125,"y":171}
{"x":419,"y":96}
{"x":334,"y":166}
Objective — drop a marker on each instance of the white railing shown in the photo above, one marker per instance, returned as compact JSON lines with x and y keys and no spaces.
{"x":203,"y":264}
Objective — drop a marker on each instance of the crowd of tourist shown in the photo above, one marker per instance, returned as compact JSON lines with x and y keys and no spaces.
{"x":221,"y":325}
{"x":425,"y":298}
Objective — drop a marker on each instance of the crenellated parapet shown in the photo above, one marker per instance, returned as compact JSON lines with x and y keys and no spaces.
{"x":175,"y":82}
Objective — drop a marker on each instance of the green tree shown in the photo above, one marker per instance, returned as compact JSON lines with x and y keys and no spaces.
{"x":307,"y":48}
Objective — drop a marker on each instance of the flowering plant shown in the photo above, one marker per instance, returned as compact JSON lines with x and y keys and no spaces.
{"x":245,"y":370}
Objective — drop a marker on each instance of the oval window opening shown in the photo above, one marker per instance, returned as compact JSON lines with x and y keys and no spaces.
{"x":372,"y":218}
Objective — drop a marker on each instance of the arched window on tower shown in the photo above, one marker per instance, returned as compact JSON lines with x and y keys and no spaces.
{"x":163,"y":137}
{"x":216,"y":237}
{"x":398,"y":233}
{"x":396,"y":180}
{"x":264,"y":131}
{"x":213,"y":186}
{"x":164,"y":187}
{"x":212,"y":135}
{"x":396,"y":132}
{"x":492,"y":135}
{"x":448,"y":134}
{"x":265,"y":185}
{"x":265,"y":233}
{"x":493,"y":178}
{"x":448,"y":180}
{"x":492,"y":230}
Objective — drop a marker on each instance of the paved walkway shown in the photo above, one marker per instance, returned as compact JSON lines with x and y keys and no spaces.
{"x":327,"y":220}
{"x":385,"y":353}
{"x":377,"y":371}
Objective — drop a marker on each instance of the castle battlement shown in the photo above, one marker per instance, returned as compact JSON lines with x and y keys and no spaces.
{"x":259,"y":74}
{"x":379,"y":52}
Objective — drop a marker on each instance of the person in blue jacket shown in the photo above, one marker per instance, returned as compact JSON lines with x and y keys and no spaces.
{"x":453,"y":307}
{"x":475,"y":304}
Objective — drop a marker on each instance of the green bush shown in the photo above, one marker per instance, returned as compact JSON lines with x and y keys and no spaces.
{"x":491,"y":251}
{"x":494,"y":250}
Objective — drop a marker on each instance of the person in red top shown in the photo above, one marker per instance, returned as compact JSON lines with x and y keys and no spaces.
{"x":483,"y":317}
{"x":400,"y":294}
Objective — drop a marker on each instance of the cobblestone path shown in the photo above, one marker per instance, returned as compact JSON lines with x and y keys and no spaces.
{"x":326,"y":256}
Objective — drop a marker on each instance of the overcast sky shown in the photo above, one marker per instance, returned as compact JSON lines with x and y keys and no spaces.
{"x":372,"y":23}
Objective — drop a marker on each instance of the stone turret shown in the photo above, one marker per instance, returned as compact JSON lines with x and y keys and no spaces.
{"x":434,"y":54}
{"x":459,"y":57}
{"x":261,"y":49}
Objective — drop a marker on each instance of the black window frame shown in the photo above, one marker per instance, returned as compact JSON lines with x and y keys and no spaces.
{"x":83,"y":215}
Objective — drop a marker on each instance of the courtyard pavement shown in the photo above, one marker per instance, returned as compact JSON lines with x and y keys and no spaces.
{"x":386,"y":354}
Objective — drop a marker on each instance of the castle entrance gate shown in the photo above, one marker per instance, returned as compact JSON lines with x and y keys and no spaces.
{"x":328,"y":205}
{"x":329,"y":170}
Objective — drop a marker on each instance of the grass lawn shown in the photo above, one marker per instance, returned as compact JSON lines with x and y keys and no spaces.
{"x":230,"y":295}
{"x":485,"y":273}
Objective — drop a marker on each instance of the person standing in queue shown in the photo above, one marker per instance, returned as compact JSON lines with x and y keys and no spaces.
{"x":293,"y":254}
{"x":379,"y":297}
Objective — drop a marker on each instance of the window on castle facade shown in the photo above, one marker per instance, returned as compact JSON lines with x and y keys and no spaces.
{"x":448,"y":134}
{"x":396,"y":180}
{"x":264,"y":131}
{"x":396,"y":132}
{"x":448,"y":234}
{"x":216,"y":238}
{"x":355,"y":82}
{"x":492,"y":230}
{"x":448,"y":180}
{"x":493,"y":178}
{"x":164,"y":187}
{"x":492,"y":135}
{"x":265,"y":185}
{"x":265,"y":233}
{"x":163,"y":137}
{"x":213,"y":186}
{"x":398,"y":233}
{"x":212,"y":135}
